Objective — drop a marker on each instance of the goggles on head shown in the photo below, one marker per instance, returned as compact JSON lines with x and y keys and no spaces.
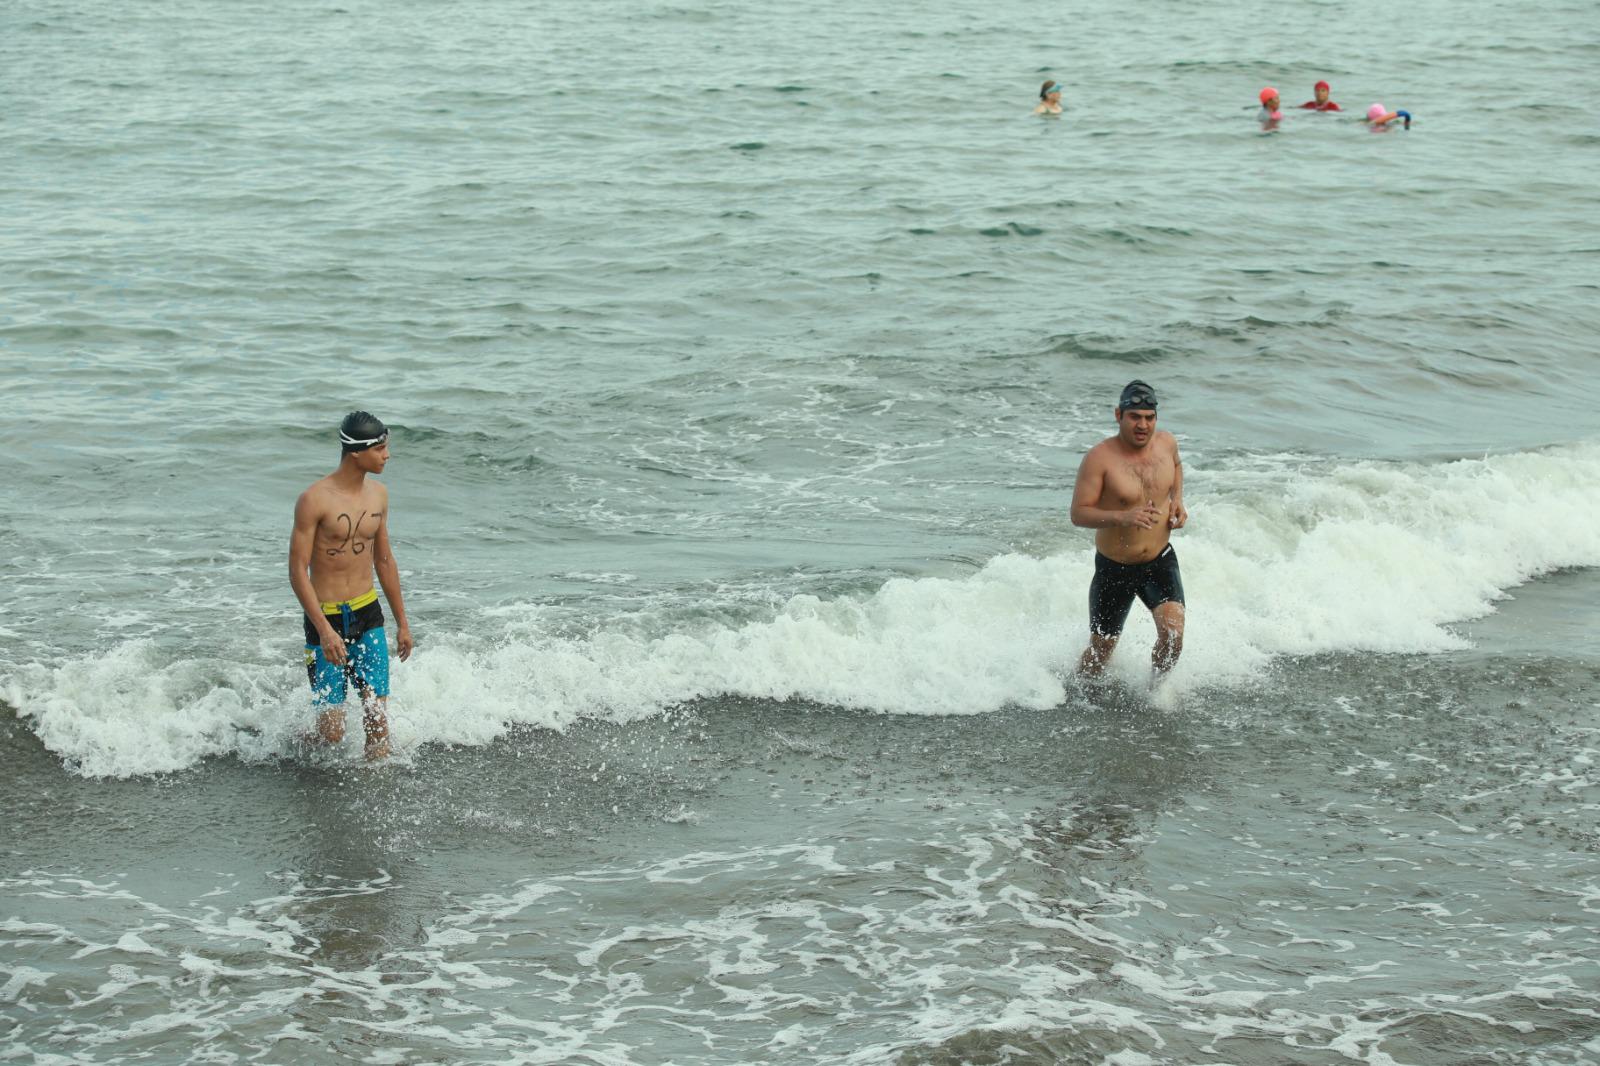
{"x":1139,"y":396}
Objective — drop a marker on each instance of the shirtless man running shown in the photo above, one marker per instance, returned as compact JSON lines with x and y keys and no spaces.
{"x":1130,"y":490}
{"x":341,"y":536}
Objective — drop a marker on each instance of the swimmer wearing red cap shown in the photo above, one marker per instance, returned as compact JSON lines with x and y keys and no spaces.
{"x":1321,"y":103}
{"x":1270,"y":114}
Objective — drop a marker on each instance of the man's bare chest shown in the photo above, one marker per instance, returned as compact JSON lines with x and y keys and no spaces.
{"x":347,"y":530}
{"x":1133,"y":482}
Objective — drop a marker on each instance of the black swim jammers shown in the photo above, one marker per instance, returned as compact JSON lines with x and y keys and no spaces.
{"x":1115,"y":585}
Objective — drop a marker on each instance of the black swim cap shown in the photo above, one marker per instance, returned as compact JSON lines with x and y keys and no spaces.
{"x":1137,"y":395}
{"x":360,"y":431}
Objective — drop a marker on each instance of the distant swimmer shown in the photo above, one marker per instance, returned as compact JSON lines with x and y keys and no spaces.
{"x":1130,"y":489}
{"x":1270,"y":114}
{"x":1049,"y":99}
{"x":1321,"y":103}
{"x":1380,"y":117}
{"x":341,"y":536}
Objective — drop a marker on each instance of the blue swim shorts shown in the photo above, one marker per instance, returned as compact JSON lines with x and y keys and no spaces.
{"x":360,"y":622}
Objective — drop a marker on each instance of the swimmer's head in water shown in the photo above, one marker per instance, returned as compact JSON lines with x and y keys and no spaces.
{"x":1320,"y":89}
{"x":1376,"y":112}
{"x":1269,"y":97}
{"x":360,"y":431}
{"x":1047,"y":89}
{"x":1137,"y":396}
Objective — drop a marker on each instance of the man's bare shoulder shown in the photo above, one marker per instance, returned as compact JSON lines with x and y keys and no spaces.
{"x":316,"y":499}
{"x":1101,"y":453}
{"x":1165,"y":441}
{"x":375,"y":497}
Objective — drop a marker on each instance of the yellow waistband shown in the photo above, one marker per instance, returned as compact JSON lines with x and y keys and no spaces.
{"x":337,"y":607}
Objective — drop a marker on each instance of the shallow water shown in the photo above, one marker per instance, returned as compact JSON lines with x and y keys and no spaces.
{"x":740,"y":360}
{"x":1387,"y":859}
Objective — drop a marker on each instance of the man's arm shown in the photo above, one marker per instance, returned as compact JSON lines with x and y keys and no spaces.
{"x":389,"y":577}
{"x":1086,"y":494}
{"x":1180,"y":514}
{"x":301,"y":541}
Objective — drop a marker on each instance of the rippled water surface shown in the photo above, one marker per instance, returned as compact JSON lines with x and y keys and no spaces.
{"x":740,"y":359}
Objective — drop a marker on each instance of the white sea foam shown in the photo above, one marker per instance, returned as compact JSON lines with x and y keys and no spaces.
{"x":1277,"y":561}
{"x":974,"y":937}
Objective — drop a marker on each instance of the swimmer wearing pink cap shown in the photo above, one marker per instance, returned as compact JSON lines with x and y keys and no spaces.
{"x":1379,"y":117}
{"x":1269,"y":112}
{"x":1321,"y":103}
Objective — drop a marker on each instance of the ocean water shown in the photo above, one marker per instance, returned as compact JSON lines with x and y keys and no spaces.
{"x":740,"y":359}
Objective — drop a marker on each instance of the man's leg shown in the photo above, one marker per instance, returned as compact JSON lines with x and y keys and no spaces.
{"x":1169,"y":637}
{"x":327,"y":694}
{"x":330,"y":724}
{"x":376,"y":721}
{"x":1110,"y":597}
{"x":1093,"y":661}
{"x":369,"y":661}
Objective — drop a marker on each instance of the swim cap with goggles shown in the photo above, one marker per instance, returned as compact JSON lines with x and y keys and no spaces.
{"x":1268,"y":93}
{"x":360,"y":431}
{"x":1320,"y":85}
{"x":1136,"y":395}
{"x":1376,"y":112}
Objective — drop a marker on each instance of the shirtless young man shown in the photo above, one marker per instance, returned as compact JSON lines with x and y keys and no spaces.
{"x":341,"y":535}
{"x":1130,"y":490}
